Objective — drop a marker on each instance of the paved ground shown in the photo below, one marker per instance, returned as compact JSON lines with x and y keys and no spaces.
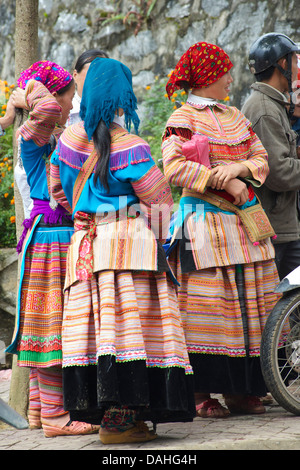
{"x":275,"y":430}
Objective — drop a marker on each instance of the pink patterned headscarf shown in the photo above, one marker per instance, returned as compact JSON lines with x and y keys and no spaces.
{"x":53,"y":76}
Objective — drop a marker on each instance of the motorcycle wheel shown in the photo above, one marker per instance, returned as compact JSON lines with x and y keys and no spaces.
{"x":280,"y":352}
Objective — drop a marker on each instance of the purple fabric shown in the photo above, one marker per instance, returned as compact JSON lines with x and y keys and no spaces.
{"x":50,"y":217}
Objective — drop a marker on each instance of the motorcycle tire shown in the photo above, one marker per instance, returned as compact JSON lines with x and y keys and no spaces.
{"x":280,"y":352}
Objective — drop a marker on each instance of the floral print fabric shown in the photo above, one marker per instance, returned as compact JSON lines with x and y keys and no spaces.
{"x":200,"y":66}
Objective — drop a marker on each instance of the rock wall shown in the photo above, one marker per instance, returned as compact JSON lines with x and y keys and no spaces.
{"x":8,"y":280}
{"x":155,"y":36}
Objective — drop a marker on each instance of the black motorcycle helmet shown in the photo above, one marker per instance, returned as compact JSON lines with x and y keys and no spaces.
{"x":267,"y":50}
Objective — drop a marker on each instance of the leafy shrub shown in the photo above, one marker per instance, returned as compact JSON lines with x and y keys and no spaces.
{"x":7,"y":201}
{"x":158,"y":109}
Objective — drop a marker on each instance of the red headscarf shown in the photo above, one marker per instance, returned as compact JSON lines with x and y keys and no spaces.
{"x":201,"y":65}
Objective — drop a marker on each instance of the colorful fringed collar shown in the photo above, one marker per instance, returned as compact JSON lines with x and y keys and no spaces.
{"x":201,"y":103}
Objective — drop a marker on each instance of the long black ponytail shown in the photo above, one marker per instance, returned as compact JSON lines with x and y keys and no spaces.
{"x":102,"y":142}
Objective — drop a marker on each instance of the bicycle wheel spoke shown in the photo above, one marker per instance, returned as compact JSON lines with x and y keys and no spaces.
{"x":280,"y":356}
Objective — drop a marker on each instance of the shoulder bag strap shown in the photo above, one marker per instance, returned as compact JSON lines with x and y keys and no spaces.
{"x":89,"y":165}
{"x":83,"y":175}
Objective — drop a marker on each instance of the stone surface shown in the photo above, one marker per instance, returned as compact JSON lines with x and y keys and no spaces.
{"x":8,"y":280}
{"x":275,"y":430}
{"x":67,"y":29}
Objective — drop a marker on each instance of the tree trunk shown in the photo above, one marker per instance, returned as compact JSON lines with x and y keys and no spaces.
{"x":26,"y":52}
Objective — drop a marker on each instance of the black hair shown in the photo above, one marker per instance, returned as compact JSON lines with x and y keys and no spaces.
{"x":87,"y":57}
{"x":65,"y":88}
{"x":265,"y":75}
{"x":102,"y":142}
{"x":185,"y":85}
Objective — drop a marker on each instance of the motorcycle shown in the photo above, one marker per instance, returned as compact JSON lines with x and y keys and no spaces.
{"x":280,"y":345}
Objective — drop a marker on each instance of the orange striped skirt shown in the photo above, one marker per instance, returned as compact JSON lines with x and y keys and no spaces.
{"x":130,"y":315}
{"x":37,"y":336}
{"x":210,"y":308}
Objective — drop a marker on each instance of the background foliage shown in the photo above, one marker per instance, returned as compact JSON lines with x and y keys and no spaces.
{"x":158,"y":109}
{"x":7,"y":201}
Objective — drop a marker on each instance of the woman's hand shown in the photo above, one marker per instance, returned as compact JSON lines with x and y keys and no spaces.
{"x":222,"y":174}
{"x":18,"y":98}
{"x":238,"y":189}
{"x":9,"y":117}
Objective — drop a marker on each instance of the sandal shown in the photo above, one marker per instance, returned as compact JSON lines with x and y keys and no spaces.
{"x":139,"y":433}
{"x":267,"y":399}
{"x":208,"y":408}
{"x":244,"y":404}
{"x":72,"y":428}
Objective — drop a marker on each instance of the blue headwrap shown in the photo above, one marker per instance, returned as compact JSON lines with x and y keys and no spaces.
{"x":107,"y":87}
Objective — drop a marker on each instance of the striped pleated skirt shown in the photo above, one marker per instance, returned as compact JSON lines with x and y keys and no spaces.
{"x":224,"y":307}
{"x":211,"y":310}
{"x":40,"y":301}
{"x":124,"y":345}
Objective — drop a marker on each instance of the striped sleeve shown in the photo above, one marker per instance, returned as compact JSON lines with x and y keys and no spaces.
{"x":56,"y":186}
{"x":156,"y":200}
{"x":44,"y":113}
{"x":257,"y":161}
{"x":180,"y":171}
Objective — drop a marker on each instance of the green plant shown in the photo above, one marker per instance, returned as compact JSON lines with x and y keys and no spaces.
{"x":7,"y":201}
{"x":141,"y":15}
{"x":158,"y":108}
{"x":132,"y":18}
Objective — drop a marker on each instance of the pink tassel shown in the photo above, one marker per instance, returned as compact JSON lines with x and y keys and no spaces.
{"x":274,"y":237}
{"x":256,"y":243}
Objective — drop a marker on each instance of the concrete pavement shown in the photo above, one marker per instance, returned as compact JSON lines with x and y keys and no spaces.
{"x":277,"y":429}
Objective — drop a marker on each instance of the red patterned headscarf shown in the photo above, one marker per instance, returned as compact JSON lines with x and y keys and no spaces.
{"x":201,"y":65}
{"x":53,"y":76}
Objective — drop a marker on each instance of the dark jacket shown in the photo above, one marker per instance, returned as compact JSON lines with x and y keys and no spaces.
{"x":267,"y":111}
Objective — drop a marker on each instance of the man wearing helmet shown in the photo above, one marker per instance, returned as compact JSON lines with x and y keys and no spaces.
{"x":273,"y":61}
{"x":296,"y":116}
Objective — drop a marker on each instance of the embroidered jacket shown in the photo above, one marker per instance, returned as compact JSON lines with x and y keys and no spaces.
{"x":121,"y":238}
{"x":214,"y":238}
{"x":231,"y":140}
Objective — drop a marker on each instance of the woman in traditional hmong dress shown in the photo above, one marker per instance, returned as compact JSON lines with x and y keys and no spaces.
{"x":124,"y":354}
{"x":48,"y":94}
{"x":211,"y":253}
{"x":80,"y":70}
